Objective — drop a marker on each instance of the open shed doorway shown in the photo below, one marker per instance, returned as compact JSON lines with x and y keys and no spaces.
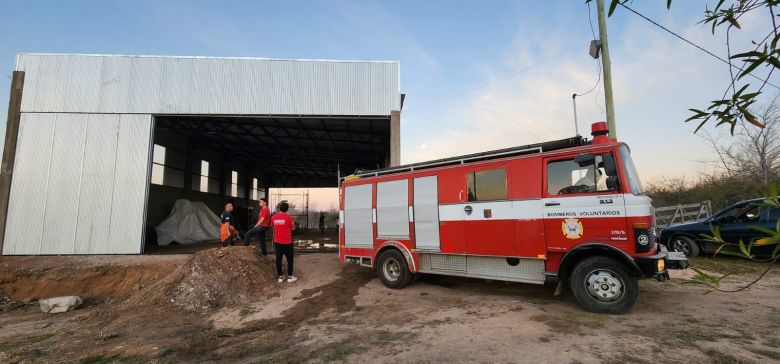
{"x":209,"y":160}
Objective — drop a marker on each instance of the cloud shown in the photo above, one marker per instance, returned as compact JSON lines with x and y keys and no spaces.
{"x":656,"y":79}
{"x":532,"y":107}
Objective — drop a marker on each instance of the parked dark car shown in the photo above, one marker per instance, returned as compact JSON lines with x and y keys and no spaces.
{"x":734,"y":222}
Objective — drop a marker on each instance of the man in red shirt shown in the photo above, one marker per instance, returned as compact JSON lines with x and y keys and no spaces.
{"x":283,"y":227}
{"x":263,"y":223}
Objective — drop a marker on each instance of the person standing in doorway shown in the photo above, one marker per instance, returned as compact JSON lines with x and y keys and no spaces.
{"x":322,"y":223}
{"x":259,"y":230}
{"x":283,"y":227}
{"x":228,"y":230}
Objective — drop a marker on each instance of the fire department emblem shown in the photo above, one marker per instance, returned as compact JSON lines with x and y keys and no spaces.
{"x":572,"y":228}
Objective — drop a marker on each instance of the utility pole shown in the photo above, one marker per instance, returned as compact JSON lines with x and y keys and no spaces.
{"x":607,"y":67}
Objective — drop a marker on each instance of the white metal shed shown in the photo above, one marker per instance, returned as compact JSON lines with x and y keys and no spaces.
{"x":79,"y":180}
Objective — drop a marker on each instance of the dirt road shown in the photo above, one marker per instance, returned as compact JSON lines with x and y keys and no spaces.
{"x":344,"y":314}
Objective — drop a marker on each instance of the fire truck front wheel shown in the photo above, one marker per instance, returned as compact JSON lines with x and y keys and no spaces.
{"x":603,"y":285}
{"x":393,"y":270}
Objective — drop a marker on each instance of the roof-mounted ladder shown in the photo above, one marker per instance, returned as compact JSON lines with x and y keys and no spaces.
{"x":500,"y":153}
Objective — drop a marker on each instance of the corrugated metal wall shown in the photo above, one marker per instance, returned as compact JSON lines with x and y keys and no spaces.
{"x":79,"y":184}
{"x":197,"y":85}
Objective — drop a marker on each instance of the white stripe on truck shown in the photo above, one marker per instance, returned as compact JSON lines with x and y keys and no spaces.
{"x":589,"y":207}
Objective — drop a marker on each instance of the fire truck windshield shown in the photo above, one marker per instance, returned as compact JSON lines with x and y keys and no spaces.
{"x":633,"y":177}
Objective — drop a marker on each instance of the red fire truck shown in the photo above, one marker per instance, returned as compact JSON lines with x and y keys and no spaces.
{"x":566,"y":211}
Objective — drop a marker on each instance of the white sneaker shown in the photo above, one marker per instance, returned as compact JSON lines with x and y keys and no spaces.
{"x":281,"y":279}
{"x":292,"y":279}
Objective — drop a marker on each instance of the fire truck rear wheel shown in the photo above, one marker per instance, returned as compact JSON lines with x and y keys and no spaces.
{"x":393,"y":270}
{"x":603,"y":285}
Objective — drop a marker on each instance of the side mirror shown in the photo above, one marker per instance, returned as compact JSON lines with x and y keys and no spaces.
{"x":609,"y":164}
{"x":585,"y":159}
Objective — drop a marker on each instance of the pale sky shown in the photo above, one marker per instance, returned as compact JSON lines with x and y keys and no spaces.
{"x":478,"y":75}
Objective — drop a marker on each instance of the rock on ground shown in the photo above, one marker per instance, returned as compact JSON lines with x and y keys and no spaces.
{"x":60,"y":304}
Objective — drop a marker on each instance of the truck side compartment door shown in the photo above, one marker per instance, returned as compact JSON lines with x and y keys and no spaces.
{"x":392,"y":210}
{"x":525,"y":191}
{"x":452,"y":191}
{"x":426,"y":213}
{"x":358,"y":216}
{"x":489,"y":220}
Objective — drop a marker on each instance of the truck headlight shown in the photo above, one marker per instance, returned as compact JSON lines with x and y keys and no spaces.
{"x":661,"y":265}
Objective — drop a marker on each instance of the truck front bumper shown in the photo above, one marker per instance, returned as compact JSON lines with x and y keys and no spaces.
{"x":658,"y":265}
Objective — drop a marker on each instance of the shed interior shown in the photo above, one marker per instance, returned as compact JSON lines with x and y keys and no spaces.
{"x":217,"y":158}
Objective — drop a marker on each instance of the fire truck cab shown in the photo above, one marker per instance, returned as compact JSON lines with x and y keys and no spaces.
{"x":569,"y":211}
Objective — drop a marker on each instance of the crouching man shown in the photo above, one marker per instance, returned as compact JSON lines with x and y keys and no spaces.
{"x":228,"y":230}
{"x":283,"y":227}
{"x":259,"y":230}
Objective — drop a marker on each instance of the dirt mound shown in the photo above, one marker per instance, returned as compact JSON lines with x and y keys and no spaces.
{"x":222,"y":277}
{"x":206,"y":280}
{"x":74,"y":276}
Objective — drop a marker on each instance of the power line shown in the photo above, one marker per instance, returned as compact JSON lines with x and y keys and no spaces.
{"x":598,"y":66}
{"x":693,"y":44}
{"x":590,"y":21}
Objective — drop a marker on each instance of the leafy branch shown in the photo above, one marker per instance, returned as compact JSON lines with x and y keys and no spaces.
{"x":733,"y":107}
{"x":772,"y":237}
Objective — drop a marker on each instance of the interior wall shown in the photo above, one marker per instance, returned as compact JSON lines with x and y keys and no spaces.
{"x":162,"y":198}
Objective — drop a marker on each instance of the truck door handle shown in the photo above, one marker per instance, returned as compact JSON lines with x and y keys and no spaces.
{"x":552,"y":203}
{"x":468,"y":210}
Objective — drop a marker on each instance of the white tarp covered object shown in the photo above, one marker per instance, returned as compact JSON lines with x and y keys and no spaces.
{"x":189,"y":222}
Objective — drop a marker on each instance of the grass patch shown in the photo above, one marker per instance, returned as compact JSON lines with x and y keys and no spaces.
{"x":162,"y":356}
{"x":96,"y":359}
{"x":246,"y":311}
{"x":571,"y":324}
{"x":772,"y":342}
{"x":724,"y":265}
{"x":197,"y":345}
{"x":447,"y":320}
{"x":692,"y":320}
{"x":227,"y":333}
{"x":11,"y":345}
{"x":102,"y":359}
{"x":341,"y":353}
{"x":767,"y":354}
{"x":672,"y":335}
{"x":626,"y":358}
{"x":287,"y":358}
{"x":719,"y":357}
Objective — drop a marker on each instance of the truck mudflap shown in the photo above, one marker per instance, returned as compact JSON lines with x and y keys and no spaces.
{"x":658,"y":265}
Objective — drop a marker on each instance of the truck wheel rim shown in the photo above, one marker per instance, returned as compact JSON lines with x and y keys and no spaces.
{"x":604,"y":285}
{"x":391,"y":269}
{"x":679,"y":245}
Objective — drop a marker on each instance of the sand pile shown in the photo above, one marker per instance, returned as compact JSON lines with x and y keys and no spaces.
{"x":221,"y":277}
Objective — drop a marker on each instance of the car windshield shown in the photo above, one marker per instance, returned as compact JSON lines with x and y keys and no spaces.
{"x":739,"y":213}
{"x":633,"y":177}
